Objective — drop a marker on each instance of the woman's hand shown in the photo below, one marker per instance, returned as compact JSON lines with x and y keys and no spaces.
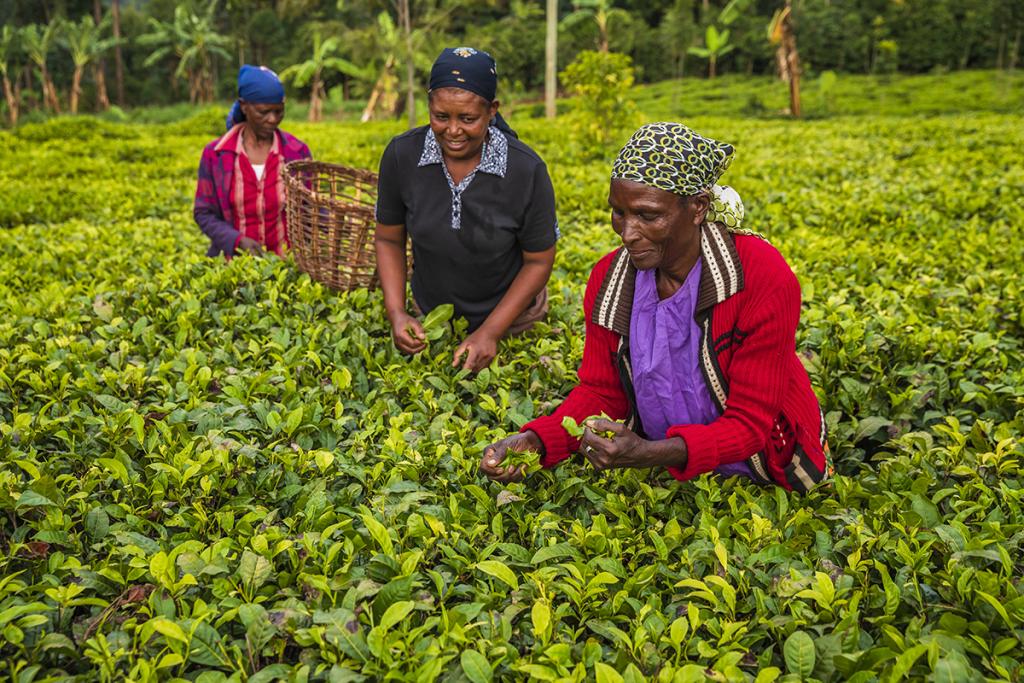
{"x":626,"y":449}
{"x":494,"y":455}
{"x":479,"y":350}
{"x":249,"y":246}
{"x":407,"y":333}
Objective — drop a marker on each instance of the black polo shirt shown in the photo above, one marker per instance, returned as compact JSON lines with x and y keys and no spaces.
{"x":507,"y":207}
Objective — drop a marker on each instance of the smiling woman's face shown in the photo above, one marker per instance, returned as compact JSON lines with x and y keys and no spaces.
{"x":459,"y":119}
{"x":657,"y":227}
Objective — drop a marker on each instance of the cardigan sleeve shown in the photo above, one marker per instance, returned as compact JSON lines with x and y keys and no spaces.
{"x":757,"y":382}
{"x":206,"y":210}
{"x":599,"y":389}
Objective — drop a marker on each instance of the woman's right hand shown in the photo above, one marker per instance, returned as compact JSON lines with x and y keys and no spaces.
{"x":407,"y":333}
{"x":249,"y":246}
{"x":494,"y":455}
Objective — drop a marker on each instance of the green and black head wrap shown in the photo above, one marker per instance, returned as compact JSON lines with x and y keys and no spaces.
{"x":672,"y":157}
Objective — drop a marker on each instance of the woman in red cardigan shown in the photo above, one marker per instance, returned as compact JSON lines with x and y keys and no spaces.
{"x":690,"y":335}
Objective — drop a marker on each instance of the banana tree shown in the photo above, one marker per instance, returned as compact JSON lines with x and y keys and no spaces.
{"x":9,"y":52}
{"x":86,"y":44}
{"x":783,"y":36}
{"x":193,"y":39}
{"x":716,"y":44}
{"x":601,"y":12}
{"x":312,"y":71}
{"x":37,"y":44}
{"x":392,"y":47}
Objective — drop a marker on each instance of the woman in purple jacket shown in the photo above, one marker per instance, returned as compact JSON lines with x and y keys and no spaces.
{"x":240,"y":195}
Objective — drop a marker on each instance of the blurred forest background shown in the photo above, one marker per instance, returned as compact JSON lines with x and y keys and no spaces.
{"x":362,"y":57}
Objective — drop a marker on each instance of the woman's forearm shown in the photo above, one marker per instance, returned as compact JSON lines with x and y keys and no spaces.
{"x":222,"y":234}
{"x":389,"y":245}
{"x":528,"y":283}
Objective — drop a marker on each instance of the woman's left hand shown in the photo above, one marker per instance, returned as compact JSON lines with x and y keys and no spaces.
{"x":627,"y":449}
{"x":479,"y":350}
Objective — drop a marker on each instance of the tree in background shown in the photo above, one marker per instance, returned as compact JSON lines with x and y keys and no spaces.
{"x":782,"y":34}
{"x":312,"y":71}
{"x":716,"y":44}
{"x":602,"y":81}
{"x":192,"y":37}
{"x":115,"y":16}
{"x":99,"y":75}
{"x":551,"y":59}
{"x":394,"y":48}
{"x":1008,"y":16}
{"x":37,"y":44}
{"x":86,"y":44}
{"x":517,"y":41}
{"x":601,"y":13}
{"x":10,"y":50}
{"x":678,"y":31}
{"x":385,"y":89}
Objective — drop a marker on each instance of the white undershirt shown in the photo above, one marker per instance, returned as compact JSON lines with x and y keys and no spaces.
{"x":259,"y":170}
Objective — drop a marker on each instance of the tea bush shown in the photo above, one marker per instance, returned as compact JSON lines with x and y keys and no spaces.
{"x":219,"y":471}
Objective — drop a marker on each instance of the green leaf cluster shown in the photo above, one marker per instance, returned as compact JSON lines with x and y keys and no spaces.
{"x":211,"y":470}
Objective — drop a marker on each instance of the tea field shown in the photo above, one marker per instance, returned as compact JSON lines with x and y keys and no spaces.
{"x":216,"y":471}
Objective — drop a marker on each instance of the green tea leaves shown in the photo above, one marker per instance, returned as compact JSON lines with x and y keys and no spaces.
{"x":799,"y":654}
{"x":253,"y":570}
{"x":435,"y":322}
{"x":379,"y":533}
{"x":395,"y":613}
{"x":214,"y":469}
{"x":476,"y":667}
{"x":499,"y":570}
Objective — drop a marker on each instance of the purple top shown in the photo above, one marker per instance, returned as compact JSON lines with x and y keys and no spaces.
{"x":664,"y":346}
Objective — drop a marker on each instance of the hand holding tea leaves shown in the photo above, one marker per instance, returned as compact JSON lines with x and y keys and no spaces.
{"x":411,"y":336}
{"x":608,"y":444}
{"x":407,"y":333}
{"x":512,"y":458}
{"x":575,"y":429}
{"x":478,"y":350}
{"x":247,"y":245}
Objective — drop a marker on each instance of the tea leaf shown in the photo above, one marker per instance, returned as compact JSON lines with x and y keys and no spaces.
{"x":476,"y":667}
{"x":254,"y":570}
{"x":396,"y":613}
{"x":499,"y":570}
{"x":799,"y":654}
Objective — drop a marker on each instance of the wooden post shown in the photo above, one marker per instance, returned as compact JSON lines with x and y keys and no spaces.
{"x":551,"y":61}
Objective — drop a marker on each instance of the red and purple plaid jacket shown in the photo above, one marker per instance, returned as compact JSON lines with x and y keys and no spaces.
{"x":213,"y":211}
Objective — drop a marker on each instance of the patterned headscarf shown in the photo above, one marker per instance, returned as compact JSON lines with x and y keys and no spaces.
{"x":672,"y":157}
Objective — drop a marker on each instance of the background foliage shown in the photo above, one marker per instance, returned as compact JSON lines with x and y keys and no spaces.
{"x":199,"y":45}
{"x":227,"y":469}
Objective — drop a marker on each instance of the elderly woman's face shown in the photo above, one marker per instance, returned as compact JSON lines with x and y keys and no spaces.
{"x":460,"y":119}
{"x":263,"y":119}
{"x":657,"y":227}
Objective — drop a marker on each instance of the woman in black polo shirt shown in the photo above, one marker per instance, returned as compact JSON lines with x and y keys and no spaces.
{"x":479,"y":208}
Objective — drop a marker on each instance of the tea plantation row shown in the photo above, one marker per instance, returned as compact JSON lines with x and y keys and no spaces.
{"x":225,"y":471}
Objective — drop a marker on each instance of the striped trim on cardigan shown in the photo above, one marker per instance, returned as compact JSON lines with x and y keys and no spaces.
{"x":721,"y":277}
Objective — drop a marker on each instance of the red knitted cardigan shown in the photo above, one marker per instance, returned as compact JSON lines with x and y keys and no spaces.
{"x":748,"y":307}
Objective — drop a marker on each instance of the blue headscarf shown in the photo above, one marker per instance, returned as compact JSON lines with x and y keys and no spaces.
{"x":256,"y":85}
{"x":468,"y":69}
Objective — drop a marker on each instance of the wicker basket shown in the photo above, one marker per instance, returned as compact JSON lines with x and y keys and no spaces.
{"x":330,"y":211}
